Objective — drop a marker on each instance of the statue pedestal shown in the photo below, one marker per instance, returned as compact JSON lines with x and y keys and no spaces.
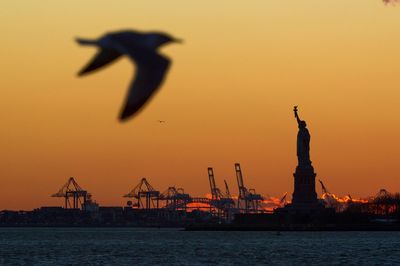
{"x":304,"y":187}
{"x":305,"y":207}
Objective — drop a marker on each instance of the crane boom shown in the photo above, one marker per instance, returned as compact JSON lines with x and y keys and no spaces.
{"x":215,"y":193}
{"x":324,"y":189}
{"x":239,"y":177}
{"x":227,"y":192}
{"x":283,"y":199}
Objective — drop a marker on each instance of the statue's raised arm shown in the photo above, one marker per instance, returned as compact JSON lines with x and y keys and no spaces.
{"x":296,"y":115}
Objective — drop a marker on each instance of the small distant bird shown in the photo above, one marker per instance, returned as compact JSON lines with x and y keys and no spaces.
{"x":142,"y":49}
{"x":161,"y":121}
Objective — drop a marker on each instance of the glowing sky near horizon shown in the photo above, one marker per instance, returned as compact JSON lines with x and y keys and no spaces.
{"x":228,"y":97}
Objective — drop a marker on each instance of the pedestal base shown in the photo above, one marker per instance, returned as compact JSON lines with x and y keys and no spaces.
{"x":304,"y":187}
{"x":303,"y":208}
{"x":305,"y":214}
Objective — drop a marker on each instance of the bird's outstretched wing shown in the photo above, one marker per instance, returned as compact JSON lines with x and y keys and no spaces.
{"x":102,"y":58}
{"x":150,"y":73}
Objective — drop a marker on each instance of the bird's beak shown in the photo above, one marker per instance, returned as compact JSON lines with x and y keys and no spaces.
{"x":177,"y":40}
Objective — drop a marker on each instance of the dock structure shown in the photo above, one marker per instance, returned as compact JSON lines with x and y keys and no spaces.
{"x":220,"y":204}
{"x":144,"y":196}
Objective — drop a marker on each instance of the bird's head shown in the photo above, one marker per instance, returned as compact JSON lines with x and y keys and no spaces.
{"x":157,"y":39}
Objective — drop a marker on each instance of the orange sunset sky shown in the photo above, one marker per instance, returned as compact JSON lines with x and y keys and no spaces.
{"x":228,"y":97}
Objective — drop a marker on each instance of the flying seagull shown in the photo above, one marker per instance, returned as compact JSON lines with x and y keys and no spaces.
{"x":142,"y":49}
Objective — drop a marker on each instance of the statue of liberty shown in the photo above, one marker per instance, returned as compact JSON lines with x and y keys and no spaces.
{"x":303,"y":142}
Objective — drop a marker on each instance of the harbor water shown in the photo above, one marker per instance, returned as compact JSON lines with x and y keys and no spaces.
{"x":144,"y":246}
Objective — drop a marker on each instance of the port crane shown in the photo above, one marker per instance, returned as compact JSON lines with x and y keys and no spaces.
{"x":215,"y":192}
{"x":227,"y":192}
{"x":333,"y":201}
{"x":73,"y":194}
{"x":282,"y":201}
{"x":144,"y":191}
{"x":324,"y":189}
{"x":248,"y":200}
{"x":219,"y":200}
{"x":175,"y":198}
{"x":327,"y":196}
